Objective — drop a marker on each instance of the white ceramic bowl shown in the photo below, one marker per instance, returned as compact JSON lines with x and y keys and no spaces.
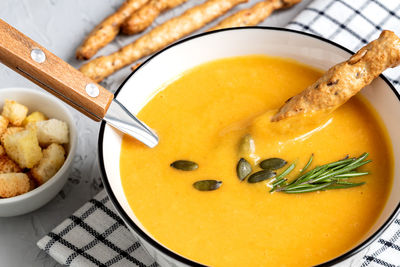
{"x":52,"y":108}
{"x":169,"y":63}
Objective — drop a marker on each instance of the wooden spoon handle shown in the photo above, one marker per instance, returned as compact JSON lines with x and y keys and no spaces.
{"x":31,"y":60}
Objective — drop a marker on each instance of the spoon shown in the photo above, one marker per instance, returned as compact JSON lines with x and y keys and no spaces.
{"x":51,"y":73}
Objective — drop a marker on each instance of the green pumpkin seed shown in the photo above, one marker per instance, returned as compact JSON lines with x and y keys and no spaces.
{"x":207,"y":185}
{"x":272,"y":164}
{"x":243,"y":169}
{"x":247,"y":146}
{"x":184,"y":165}
{"x":261,"y":176}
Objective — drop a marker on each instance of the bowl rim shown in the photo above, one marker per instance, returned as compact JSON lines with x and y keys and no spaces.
{"x":69,"y":159}
{"x":171,"y":253}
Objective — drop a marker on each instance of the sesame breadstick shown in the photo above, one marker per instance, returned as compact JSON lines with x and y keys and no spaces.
{"x":106,"y":31}
{"x":255,"y":14}
{"x":161,"y":36}
{"x":345,"y":79}
{"x":145,"y":16}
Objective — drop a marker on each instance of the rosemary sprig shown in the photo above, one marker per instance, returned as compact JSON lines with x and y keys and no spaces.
{"x":334,"y":175}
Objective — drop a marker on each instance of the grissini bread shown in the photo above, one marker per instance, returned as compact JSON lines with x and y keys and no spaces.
{"x":161,"y":36}
{"x":106,"y":31}
{"x":144,"y":17}
{"x":345,"y":79}
{"x":255,"y":14}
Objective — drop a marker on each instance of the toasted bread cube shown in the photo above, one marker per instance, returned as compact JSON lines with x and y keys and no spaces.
{"x":7,"y":165}
{"x":3,"y":124}
{"x":34,"y":117}
{"x":32,"y":184}
{"x":13,"y":184}
{"x":23,"y":147}
{"x":31,"y":126}
{"x":53,"y":159}
{"x":14,"y":112}
{"x":52,"y":131}
{"x":10,"y":130}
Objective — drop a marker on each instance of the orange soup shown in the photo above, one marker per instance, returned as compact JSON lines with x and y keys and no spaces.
{"x":201,"y":116}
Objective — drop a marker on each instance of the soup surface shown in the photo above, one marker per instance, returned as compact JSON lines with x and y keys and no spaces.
{"x":201,"y":116}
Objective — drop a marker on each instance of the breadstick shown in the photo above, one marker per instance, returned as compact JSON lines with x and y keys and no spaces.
{"x":254,"y":15}
{"x":165,"y":34}
{"x":145,"y":16}
{"x":345,"y":79}
{"x":106,"y":31}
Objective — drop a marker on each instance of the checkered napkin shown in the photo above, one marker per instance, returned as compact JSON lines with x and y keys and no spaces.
{"x":95,"y":236}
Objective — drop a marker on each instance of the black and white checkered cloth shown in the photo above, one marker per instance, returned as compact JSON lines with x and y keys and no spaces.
{"x":95,"y":236}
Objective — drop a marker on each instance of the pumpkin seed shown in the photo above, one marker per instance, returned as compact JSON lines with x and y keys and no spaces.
{"x":207,"y":185}
{"x":272,"y":164}
{"x":184,"y":165}
{"x":247,"y":146}
{"x":261,"y":176}
{"x":243,"y":169}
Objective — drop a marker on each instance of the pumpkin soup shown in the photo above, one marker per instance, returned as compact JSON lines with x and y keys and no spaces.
{"x":208,"y":111}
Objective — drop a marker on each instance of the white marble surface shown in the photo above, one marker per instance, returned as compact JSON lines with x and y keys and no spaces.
{"x":60,"y":26}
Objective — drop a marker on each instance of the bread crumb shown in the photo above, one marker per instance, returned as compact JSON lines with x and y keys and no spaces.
{"x":23,"y":148}
{"x":52,"y":131}
{"x":10,"y":130}
{"x":52,"y":160}
{"x":13,"y":184}
{"x":3,"y":124}
{"x":14,"y":112}
{"x":34,"y":117}
{"x":7,"y":165}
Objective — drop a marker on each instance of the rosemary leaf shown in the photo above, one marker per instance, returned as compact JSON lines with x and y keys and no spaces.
{"x":308,"y":164}
{"x":308,"y":189}
{"x":280,"y":179}
{"x":285,"y":172}
{"x":351,"y":174}
{"x":324,"y":177}
{"x":342,"y":186}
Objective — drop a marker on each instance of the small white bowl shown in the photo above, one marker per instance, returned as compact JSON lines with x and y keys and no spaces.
{"x":53,"y":108}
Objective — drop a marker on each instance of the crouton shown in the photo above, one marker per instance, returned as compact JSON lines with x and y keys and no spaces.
{"x":7,"y":165}
{"x":3,"y":124}
{"x":52,"y":131}
{"x":32,"y":184}
{"x":14,"y":112}
{"x":2,"y":151}
{"x":53,"y":159}
{"x":13,"y":184}
{"x":23,"y":148}
{"x":31,"y":126}
{"x":34,"y":117}
{"x":10,"y":130}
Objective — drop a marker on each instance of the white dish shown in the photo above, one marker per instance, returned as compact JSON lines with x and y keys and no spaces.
{"x":172,"y":61}
{"x":53,"y":108}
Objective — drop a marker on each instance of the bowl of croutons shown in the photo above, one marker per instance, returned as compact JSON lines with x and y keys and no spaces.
{"x":37,"y":144}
